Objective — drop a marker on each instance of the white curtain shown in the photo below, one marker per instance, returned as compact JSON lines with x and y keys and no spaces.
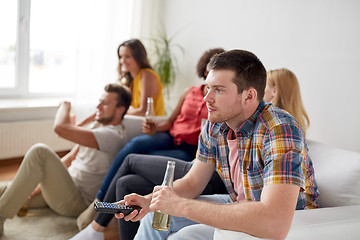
{"x":105,"y":24}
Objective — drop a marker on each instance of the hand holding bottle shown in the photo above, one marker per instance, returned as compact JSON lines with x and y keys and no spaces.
{"x":161,"y":220}
{"x":36,"y":191}
{"x":149,"y":127}
{"x":166,"y":201}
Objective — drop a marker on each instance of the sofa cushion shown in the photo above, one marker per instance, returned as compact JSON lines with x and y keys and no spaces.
{"x":337,"y":172}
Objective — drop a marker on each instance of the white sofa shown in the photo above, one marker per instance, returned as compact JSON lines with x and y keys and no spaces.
{"x":337,"y":172}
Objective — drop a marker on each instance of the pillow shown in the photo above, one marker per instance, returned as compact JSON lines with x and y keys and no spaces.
{"x":337,"y":173}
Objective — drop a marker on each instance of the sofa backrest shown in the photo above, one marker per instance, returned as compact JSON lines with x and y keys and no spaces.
{"x":133,"y":125}
{"x":337,"y":173}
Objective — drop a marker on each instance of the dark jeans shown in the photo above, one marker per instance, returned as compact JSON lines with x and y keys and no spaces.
{"x":161,"y":143}
{"x":139,"y":174}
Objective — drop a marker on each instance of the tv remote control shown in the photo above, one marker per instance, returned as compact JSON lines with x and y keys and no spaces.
{"x":106,"y":207}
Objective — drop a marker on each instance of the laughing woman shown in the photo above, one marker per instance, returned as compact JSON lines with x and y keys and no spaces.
{"x":136,"y":72}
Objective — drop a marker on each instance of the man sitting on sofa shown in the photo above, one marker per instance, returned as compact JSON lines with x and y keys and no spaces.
{"x":260,"y":152}
{"x":69,"y":185}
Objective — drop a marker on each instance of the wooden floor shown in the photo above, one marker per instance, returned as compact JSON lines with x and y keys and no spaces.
{"x":8,"y":168}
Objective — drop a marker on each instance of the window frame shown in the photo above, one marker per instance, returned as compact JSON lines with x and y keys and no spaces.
{"x":21,"y":53}
{"x":120,"y":13}
{"x":22,"y":59}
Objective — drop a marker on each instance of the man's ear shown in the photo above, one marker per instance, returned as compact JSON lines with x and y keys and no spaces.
{"x":250,"y":95}
{"x":120,"y":110}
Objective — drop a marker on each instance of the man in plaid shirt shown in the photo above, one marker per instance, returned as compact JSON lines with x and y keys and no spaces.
{"x":259,"y":151}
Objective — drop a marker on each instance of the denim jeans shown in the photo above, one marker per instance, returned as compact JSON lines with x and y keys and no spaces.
{"x":178,"y":225}
{"x":161,"y":143}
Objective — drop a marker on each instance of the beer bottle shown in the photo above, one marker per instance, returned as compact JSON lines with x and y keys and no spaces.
{"x":161,"y":221}
{"x":149,"y":115}
{"x":150,"y":111}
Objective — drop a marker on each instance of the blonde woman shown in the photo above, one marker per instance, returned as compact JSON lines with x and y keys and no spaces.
{"x":283,"y":90}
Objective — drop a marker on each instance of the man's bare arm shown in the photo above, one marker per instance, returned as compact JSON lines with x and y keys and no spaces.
{"x":87,"y":120}
{"x":270,"y":218}
{"x":76,"y":134}
{"x":190,"y":186}
{"x":195,"y":181}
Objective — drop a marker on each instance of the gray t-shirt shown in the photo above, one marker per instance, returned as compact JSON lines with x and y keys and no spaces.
{"x":91,"y":165}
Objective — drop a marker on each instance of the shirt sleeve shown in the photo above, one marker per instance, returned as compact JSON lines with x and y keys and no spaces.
{"x":284,"y":156}
{"x":110,"y":138}
{"x":204,"y":152}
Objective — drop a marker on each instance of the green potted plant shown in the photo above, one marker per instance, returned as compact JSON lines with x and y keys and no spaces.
{"x":164,"y":58}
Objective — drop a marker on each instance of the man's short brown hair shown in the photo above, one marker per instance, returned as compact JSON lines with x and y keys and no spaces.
{"x":249,"y":70}
{"x":123,"y":94}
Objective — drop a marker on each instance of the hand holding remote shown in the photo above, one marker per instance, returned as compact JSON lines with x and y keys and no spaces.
{"x":113,"y":208}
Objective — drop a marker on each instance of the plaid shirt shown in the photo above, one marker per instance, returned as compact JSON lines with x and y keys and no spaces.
{"x":272,"y":149}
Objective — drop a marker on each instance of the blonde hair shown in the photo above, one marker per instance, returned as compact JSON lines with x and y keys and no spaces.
{"x":288,"y":95}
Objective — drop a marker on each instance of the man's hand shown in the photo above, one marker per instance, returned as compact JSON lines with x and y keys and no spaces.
{"x":167,"y":201}
{"x":65,"y":129}
{"x":62,"y":116}
{"x":66,"y":103}
{"x":36,"y":191}
{"x":135,"y":199}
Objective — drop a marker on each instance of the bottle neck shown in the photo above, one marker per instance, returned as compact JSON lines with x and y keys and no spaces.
{"x":150,"y":107}
{"x":169,"y":174}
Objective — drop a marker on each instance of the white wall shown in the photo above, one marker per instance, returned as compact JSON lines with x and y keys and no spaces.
{"x":317,"y":39}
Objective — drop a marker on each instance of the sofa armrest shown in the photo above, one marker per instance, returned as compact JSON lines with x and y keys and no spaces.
{"x":322,"y":223}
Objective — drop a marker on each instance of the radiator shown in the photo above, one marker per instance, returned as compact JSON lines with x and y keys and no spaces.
{"x":17,"y":137}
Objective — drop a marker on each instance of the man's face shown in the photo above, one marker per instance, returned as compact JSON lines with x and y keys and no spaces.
{"x":223,"y":101}
{"x":106,"y":108}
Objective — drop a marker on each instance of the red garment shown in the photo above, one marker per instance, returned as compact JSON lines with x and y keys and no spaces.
{"x":187,"y":125}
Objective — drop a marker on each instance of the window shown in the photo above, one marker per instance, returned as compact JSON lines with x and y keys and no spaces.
{"x":60,"y":48}
{"x":54,"y":46}
{"x":8,"y":15}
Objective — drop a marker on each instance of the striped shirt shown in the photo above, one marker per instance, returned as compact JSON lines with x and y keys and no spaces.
{"x":272,"y":149}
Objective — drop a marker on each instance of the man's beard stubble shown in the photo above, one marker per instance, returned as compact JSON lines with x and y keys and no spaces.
{"x":105,"y":121}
